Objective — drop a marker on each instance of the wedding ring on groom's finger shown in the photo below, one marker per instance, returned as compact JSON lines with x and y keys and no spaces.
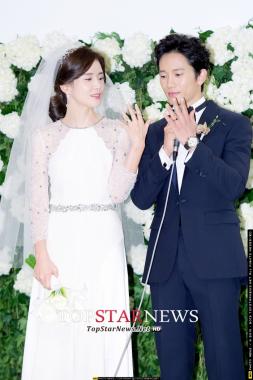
{"x":173,"y":117}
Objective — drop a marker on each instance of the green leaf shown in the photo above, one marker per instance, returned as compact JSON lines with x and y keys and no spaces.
{"x":63,"y":292}
{"x":205,"y":35}
{"x":31,"y":261}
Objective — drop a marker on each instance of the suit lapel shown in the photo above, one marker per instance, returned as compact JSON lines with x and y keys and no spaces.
{"x":208,"y":116}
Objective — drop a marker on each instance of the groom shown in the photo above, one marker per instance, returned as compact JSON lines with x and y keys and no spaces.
{"x":199,"y":261}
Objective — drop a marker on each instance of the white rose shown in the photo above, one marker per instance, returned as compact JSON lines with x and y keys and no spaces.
{"x":2,"y":52}
{"x":249,"y":184}
{"x":147,"y":230}
{"x":153,"y":112}
{"x":155,"y":90}
{"x":8,"y":83}
{"x":147,"y":288}
{"x":234,"y":96}
{"x":54,"y":40}
{"x":4,"y":62}
{"x":137,"y":50}
{"x":1,"y":164}
{"x":24,"y":52}
{"x":217,"y":45}
{"x":5,"y":261}
{"x":242,"y":70}
{"x":24,"y":280}
{"x":110,"y":49}
{"x":136,"y":258}
{"x":2,"y":220}
{"x":242,"y":41}
{"x":246,"y":215}
{"x":211,"y":90}
{"x":149,"y":219}
{"x":134,"y":212}
{"x":9,"y":124}
{"x":244,"y":236}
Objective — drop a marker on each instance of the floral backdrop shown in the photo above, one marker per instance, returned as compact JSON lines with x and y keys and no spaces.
{"x":130,"y":64}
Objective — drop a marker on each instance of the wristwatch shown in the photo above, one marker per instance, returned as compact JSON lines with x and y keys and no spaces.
{"x":192,"y":142}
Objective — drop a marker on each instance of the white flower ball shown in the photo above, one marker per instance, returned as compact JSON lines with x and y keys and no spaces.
{"x":249,"y":184}
{"x":2,"y":220}
{"x":147,"y":229}
{"x":136,"y":258}
{"x":2,"y":52}
{"x":242,"y":41}
{"x":9,"y":124}
{"x":8,"y":83}
{"x":134,"y":212}
{"x":24,"y":52}
{"x":153,"y":112}
{"x":147,"y":288}
{"x":5,"y":261}
{"x":242,"y":70}
{"x":137,"y":50}
{"x":233,"y":96}
{"x":155,"y":90}
{"x":217,"y":45}
{"x":109,"y":48}
{"x":246,"y":215}
{"x":1,"y":164}
{"x":4,"y":62}
{"x":24,"y":280}
{"x":211,"y":90}
{"x":54,"y":40}
{"x":244,"y":236}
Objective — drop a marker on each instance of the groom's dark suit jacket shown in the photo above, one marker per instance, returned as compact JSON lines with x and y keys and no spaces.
{"x":214,"y":177}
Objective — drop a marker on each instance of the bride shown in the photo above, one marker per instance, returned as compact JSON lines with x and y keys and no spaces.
{"x":79,"y":167}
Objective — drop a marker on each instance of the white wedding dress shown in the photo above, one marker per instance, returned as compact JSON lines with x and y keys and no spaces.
{"x":74,"y":172}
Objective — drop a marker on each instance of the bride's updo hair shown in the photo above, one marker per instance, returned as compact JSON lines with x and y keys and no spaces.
{"x":73,"y":64}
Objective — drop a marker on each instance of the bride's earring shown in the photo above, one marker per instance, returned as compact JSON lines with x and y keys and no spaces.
{"x":68,"y":97}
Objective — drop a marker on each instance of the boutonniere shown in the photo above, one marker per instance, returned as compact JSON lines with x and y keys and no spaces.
{"x":204,"y":129}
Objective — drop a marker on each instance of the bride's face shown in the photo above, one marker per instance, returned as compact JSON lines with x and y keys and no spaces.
{"x":88,"y":89}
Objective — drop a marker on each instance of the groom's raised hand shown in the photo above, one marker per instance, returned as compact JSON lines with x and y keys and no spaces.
{"x":181,"y":123}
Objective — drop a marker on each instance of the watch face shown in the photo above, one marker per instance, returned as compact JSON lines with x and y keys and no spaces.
{"x":192,"y":142}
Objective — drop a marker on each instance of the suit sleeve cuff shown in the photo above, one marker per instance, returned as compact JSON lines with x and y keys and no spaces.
{"x":189,"y":154}
{"x":166,"y":161}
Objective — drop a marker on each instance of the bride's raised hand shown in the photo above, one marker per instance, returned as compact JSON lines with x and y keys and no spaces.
{"x":136,"y":127}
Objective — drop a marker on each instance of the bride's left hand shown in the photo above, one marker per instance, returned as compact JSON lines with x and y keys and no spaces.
{"x":136,"y":127}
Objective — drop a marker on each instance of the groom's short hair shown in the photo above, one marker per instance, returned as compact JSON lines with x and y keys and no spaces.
{"x":190,"y":47}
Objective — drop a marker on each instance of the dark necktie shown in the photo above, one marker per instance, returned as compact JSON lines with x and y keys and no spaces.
{"x":199,"y":108}
{"x":174,"y":178}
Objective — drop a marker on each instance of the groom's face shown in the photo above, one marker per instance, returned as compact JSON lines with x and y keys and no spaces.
{"x":178,"y":78}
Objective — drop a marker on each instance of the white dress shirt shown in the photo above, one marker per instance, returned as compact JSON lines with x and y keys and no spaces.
{"x":183,"y":154}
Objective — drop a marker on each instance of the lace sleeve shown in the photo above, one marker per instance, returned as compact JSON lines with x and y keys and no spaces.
{"x":39,"y":191}
{"x":121,"y":180}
